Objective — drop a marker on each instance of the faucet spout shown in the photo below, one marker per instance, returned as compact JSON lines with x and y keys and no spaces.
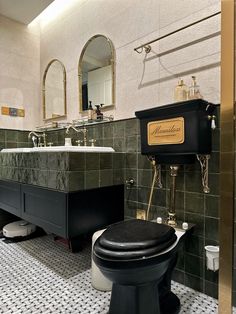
{"x":84,"y":131}
{"x":36,"y":138}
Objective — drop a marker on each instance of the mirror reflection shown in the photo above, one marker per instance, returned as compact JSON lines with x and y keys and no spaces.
{"x":96,"y":73}
{"x":54,"y":91}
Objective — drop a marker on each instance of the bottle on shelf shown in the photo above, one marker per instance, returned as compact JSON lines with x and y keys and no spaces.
{"x":194,"y":90}
{"x":181,"y":91}
{"x":90,"y":111}
{"x":99,"y":114}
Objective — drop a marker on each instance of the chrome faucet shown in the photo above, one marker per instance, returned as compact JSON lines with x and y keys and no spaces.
{"x":36,"y":139}
{"x":84,"y":131}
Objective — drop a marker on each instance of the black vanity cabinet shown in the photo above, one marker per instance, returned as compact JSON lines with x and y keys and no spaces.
{"x":66,"y":214}
{"x":10,"y":197}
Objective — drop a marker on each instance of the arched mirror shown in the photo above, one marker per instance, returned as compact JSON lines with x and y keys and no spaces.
{"x":97,"y":73}
{"x":54,"y":91}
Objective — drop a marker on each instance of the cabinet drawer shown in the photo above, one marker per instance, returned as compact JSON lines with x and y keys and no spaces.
{"x":10,"y":197}
{"x":45,"y":208}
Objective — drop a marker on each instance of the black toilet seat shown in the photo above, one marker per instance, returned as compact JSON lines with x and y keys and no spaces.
{"x":134,"y":239}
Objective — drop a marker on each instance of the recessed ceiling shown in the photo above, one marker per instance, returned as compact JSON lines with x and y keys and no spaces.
{"x":23,"y":11}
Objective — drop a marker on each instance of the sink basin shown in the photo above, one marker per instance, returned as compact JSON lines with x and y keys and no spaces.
{"x":16,"y":150}
{"x":85,"y":149}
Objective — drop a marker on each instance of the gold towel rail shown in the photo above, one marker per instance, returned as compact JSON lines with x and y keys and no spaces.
{"x":147,"y":46}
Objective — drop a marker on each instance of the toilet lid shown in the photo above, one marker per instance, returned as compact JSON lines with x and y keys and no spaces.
{"x":134,"y":239}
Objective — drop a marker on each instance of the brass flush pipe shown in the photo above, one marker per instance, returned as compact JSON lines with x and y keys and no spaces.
{"x":171,"y":220}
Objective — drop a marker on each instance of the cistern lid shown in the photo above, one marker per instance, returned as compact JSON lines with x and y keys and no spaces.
{"x":134,"y":238}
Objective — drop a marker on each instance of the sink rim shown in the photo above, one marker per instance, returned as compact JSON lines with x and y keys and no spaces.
{"x":82,"y":149}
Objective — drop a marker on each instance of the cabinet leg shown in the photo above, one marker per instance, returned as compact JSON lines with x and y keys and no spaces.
{"x":76,"y":244}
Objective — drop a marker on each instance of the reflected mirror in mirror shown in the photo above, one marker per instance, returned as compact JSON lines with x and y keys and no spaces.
{"x":96,"y":73}
{"x":54,"y":91}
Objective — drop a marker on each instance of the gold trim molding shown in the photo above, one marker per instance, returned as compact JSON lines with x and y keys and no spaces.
{"x":226,"y":227}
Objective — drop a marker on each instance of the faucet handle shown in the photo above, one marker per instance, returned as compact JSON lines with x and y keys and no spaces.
{"x":79,"y":142}
{"x":92,"y":141}
{"x":50,"y":144}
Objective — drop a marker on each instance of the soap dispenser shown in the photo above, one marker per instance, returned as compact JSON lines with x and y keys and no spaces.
{"x":181,"y":91}
{"x":90,"y":111}
{"x":194,"y":90}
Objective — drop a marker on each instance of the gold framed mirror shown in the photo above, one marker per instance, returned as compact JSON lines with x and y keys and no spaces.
{"x":54,"y":91}
{"x":96,"y":73}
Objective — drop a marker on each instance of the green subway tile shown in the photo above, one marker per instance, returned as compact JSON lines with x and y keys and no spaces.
{"x":198,"y":220}
{"x":108,"y":130}
{"x":214,"y":162}
{"x":43,"y":178}
{"x":92,"y":161}
{"x":108,"y":142}
{"x":118,"y":176}
{"x":131,"y":160}
{"x":211,"y":275}
{"x":106,"y":161}
{"x":91,"y":179}
{"x":76,"y":161}
{"x":52,"y":179}
{"x":118,"y":160}
{"x":106,"y":177}
{"x":131,"y":127}
{"x":194,"y":203}
{"x":194,"y":282}
{"x":214,"y":180}
{"x":211,"y":228}
{"x":119,"y":129}
{"x":178,"y":276}
{"x":119,"y":144}
{"x":211,"y":289}
{"x":212,"y":205}
{"x":143,"y":162}
{"x":159,"y":197}
{"x":216,"y":140}
{"x":193,"y":182}
{"x":195,"y":245}
{"x":11,"y":136}
{"x":62,"y":181}
{"x":144,"y":177}
{"x":131,"y":144}
{"x":76,"y":180}
{"x":2,"y":135}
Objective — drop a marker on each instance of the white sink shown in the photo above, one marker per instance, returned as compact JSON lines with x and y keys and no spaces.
{"x":85,"y":149}
{"x":16,"y":150}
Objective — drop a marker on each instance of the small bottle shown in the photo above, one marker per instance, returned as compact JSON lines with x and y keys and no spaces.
{"x":99,"y":114}
{"x":194,"y":90}
{"x":90,"y":111}
{"x":181,"y":91}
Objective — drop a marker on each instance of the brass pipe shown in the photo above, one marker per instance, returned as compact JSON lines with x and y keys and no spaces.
{"x":146,"y":45}
{"x":171,"y":220}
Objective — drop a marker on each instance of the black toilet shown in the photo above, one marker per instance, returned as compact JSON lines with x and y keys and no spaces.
{"x":139,"y":257}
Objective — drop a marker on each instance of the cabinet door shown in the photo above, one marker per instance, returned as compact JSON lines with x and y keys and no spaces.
{"x":45,"y":208}
{"x":10,"y":197}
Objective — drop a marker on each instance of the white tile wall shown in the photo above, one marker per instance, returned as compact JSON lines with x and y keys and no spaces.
{"x":130,"y":23}
{"x":140,"y":83}
{"x":20,"y":73}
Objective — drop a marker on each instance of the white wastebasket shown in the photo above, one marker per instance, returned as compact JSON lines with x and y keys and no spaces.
{"x":98,"y":280}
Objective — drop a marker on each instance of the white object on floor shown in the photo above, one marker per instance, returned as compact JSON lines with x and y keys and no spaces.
{"x":98,"y":280}
{"x":20,"y":228}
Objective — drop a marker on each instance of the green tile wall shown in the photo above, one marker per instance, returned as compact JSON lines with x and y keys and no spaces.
{"x":192,"y":204}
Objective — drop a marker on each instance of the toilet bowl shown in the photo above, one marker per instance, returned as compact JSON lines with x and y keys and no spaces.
{"x":139,"y":257}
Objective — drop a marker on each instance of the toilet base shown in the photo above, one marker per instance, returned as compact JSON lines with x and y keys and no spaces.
{"x":142,"y":299}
